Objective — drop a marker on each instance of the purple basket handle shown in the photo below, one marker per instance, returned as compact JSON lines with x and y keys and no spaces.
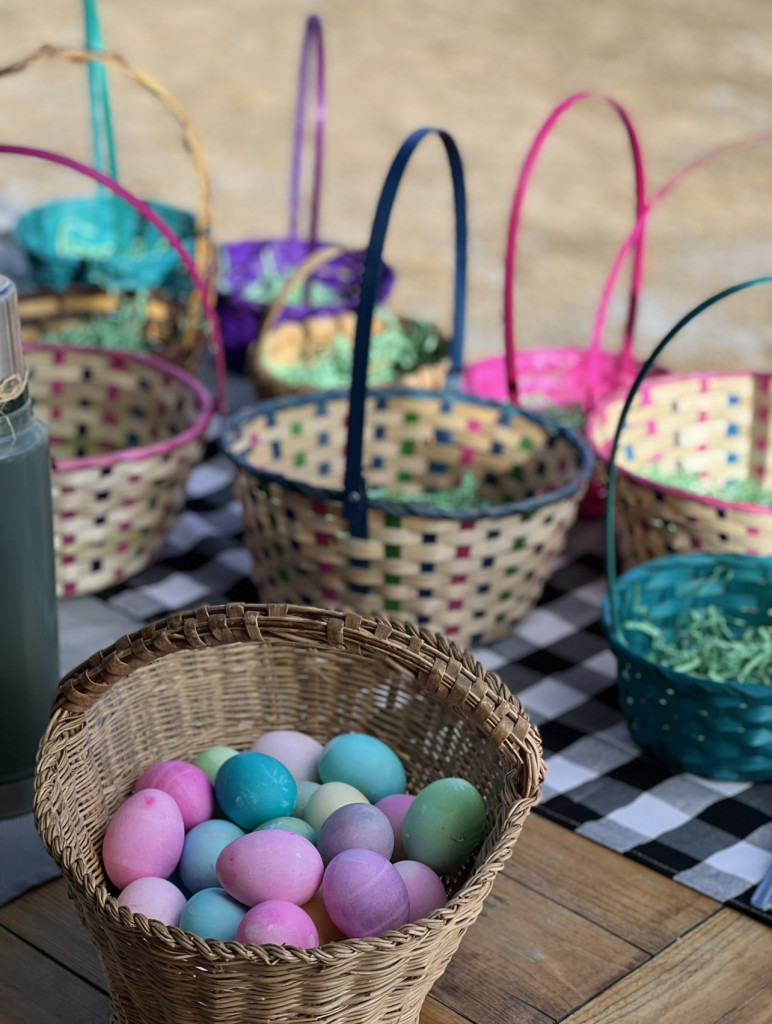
{"x":514,"y":228}
{"x":636,"y":234}
{"x":145,"y":211}
{"x":313,"y":42}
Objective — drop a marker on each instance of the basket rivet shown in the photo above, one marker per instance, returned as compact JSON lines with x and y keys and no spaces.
{"x":355,"y":496}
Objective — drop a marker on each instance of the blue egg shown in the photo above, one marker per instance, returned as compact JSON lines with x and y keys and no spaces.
{"x":252,"y":788}
{"x":212,"y":914}
{"x":203,"y":844}
{"x":289,"y":824}
{"x":365,"y":763}
{"x":305,"y":789}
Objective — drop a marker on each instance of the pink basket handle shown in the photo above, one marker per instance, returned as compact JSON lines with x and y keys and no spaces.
{"x":516,"y":218}
{"x":145,"y":211}
{"x":313,"y":42}
{"x":635,"y":236}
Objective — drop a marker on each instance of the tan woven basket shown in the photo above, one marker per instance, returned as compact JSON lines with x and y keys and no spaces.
{"x":173,"y":328}
{"x":299,"y":343}
{"x":222,"y":675}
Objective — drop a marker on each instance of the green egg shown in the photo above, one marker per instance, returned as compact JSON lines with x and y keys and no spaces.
{"x":210,"y":760}
{"x":444,"y":825}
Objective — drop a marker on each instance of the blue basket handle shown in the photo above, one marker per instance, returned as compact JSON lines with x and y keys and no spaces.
{"x":611,"y":548}
{"x":313,"y":41}
{"x":102,"y":140}
{"x":355,"y":502}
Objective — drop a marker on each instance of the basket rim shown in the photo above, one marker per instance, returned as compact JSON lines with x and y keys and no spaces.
{"x":141,"y":452}
{"x":523,"y":507}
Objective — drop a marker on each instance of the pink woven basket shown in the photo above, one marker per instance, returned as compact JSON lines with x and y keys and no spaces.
{"x":126,"y":429}
{"x":563,"y":381}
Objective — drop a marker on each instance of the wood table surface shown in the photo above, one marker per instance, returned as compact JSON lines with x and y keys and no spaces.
{"x":571,"y":932}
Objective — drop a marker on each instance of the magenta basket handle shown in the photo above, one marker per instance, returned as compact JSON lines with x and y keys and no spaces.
{"x":516,"y":218}
{"x":313,"y":43}
{"x":635,"y":236}
{"x":145,"y":211}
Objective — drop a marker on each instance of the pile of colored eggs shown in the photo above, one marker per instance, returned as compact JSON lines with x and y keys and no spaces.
{"x":291,"y":842}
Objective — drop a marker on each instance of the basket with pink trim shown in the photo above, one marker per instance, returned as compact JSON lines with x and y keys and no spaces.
{"x":126,"y":429}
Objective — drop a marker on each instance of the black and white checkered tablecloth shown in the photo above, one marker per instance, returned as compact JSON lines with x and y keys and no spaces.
{"x":715,"y":837}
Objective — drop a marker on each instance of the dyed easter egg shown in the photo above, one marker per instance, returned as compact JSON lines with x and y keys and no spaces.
{"x":270,"y":865}
{"x":280,"y":922}
{"x":291,"y":824}
{"x":364,"y":894}
{"x":364,"y":762}
{"x":203,"y":845}
{"x":212,"y":914}
{"x":328,"y":798}
{"x":157,"y":898}
{"x":355,"y":826}
{"x":144,"y":837}
{"x":424,"y":887}
{"x":326,"y":928}
{"x":252,"y":788}
{"x":305,"y":789}
{"x":444,"y":824}
{"x":296,"y":751}
{"x":209,"y":760}
{"x":188,"y":784}
{"x":395,"y":808}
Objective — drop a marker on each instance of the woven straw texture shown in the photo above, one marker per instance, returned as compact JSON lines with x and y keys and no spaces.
{"x":174,"y":323}
{"x":224,"y":675}
{"x":722,"y":730}
{"x":467,"y":573}
{"x":125,"y":432}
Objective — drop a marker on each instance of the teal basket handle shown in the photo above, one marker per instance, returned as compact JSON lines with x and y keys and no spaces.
{"x":611,"y":549}
{"x":312,"y":43}
{"x":355,"y":501}
{"x":102,"y":139}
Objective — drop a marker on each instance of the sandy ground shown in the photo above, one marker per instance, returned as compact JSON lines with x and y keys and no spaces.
{"x":692,"y":75}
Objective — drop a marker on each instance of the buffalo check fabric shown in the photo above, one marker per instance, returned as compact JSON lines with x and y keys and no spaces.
{"x":715,"y":837}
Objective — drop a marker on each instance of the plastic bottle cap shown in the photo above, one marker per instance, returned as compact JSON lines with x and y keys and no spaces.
{"x":12,"y":370}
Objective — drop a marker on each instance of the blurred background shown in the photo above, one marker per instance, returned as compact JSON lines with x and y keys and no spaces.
{"x":692,"y":76}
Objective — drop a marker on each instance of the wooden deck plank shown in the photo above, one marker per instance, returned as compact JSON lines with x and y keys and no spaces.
{"x":632,"y":901}
{"x":718,"y":974}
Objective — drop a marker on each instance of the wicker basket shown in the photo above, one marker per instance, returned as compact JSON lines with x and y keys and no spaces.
{"x":315,"y":535}
{"x":564,"y":382}
{"x":223,"y":675}
{"x":251,"y":270}
{"x":125,"y":430}
{"x":719,"y":729}
{"x":172,"y":310}
{"x":299,"y":344}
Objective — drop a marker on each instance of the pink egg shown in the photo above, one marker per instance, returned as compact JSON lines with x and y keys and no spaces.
{"x":280,"y":922}
{"x":395,"y":808}
{"x":296,"y":751}
{"x":424,"y":887}
{"x":157,"y":898}
{"x":144,"y":837}
{"x":271,"y":864}
{"x":188,"y":784}
{"x":364,"y":894}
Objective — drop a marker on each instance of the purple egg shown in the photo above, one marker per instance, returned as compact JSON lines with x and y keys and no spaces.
{"x":355,"y":827}
{"x":364,"y":894}
{"x":424,"y":887}
{"x":395,"y":808}
{"x":157,"y":898}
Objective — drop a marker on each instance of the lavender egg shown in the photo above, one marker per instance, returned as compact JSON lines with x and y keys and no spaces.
{"x":157,"y":898}
{"x":364,"y":894}
{"x":424,"y":887}
{"x":355,"y":826}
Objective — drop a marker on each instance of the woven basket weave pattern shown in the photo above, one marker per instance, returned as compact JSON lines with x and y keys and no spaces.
{"x":224,"y":675}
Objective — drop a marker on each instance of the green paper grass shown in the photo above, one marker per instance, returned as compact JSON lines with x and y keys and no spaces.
{"x":124,"y":329}
{"x":465,"y":494}
{"x":747,"y":491}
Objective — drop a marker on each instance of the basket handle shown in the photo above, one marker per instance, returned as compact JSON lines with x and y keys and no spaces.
{"x":149,"y":214}
{"x":636,"y":235}
{"x":610,"y":524}
{"x":313,"y":42}
{"x":299,"y":275}
{"x":354,"y":502}
{"x":515,"y":220}
{"x":102,"y":138}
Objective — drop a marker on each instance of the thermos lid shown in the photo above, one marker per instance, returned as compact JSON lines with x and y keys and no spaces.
{"x":12,"y":369}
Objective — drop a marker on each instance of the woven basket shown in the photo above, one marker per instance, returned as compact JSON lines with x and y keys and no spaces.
{"x":719,"y":729}
{"x":298,"y":344}
{"x":172,"y":310}
{"x":251,"y":271}
{"x":224,"y":675}
{"x":125,"y":430}
{"x":564,"y":382}
{"x":315,"y":535}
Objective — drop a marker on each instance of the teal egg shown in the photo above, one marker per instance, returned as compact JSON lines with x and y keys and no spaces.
{"x":212,"y":914}
{"x":444,"y":825}
{"x":289,"y":824}
{"x":364,"y":762}
{"x":252,"y":788}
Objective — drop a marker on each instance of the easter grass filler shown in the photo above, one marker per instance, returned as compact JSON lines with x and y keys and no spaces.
{"x":744,"y":491}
